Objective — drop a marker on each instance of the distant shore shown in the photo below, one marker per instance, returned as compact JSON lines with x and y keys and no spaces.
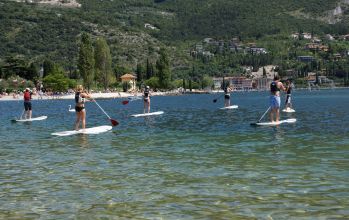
{"x":71,"y":96}
{"x":115,"y":95}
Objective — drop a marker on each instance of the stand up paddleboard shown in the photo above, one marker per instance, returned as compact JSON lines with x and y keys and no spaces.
{"x":291,"y":120}
{"x":94,"y":130}
{"x":148,"y":114}
{"x":32,"y":119}
{"x":289,"y":110}
{"x":231,"y":107}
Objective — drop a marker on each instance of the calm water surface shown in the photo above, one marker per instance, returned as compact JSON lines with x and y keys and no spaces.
{"x":193,"y":162}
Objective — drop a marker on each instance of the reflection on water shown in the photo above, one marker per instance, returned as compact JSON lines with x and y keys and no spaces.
{"x":193,"y":162}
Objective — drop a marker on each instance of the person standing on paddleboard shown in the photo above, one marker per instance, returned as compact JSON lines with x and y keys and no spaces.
{"x":27,"y":103}
{"x":146,"y":99}
{"x":288,"y":94}
{"x":275,"y":87}
{"x":80,"y":97}
{"x":227,"y":91}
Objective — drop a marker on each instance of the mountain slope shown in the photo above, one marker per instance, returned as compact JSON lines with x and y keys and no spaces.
{"x":136,"y":28}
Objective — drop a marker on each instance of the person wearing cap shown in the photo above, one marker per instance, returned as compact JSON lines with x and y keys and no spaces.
{"x":80,"y":96}
{"x":27,"y":103}
{"x":146,"y":96}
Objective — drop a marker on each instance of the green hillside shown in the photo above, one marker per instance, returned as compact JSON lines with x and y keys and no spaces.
{"x":36,"y":32}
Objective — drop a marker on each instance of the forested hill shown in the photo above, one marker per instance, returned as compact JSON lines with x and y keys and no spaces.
{"x":135,"y":28}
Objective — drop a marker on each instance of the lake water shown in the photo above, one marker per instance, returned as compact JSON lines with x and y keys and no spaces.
{"x":193,"y":162}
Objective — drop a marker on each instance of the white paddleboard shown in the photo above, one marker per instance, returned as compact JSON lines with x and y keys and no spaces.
{"x":289,"y":110}
{"x":231,"y":107}
{"x":148,"y":114}
{"x":94,"y":130}
{"x":32,"y":119}
{"x":291,"y":120}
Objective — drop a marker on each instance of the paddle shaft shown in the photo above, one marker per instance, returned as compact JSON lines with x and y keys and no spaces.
{"x":264,"y":114}
{"x":21,"y":114}
{"x":101,"y":109}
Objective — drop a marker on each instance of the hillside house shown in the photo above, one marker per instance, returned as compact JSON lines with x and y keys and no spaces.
{"x":316,"y":47}
{"x":237,"y":83}
{"x":131,"y":80}
{"x":305,"y":58}
{"x":256,"y":50}
{"x":262,"y":83}
{"x":329,"y":37}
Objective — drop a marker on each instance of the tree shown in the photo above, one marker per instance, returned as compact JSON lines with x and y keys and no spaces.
{"x":32,"y":72}
{"x":86,"y":60}
{"x":103,"y":63}
{"x":206,"y":82}
{"x":140,"y":72}
{"x":149,"y":70}
{"x":163,"y":69}
{"x":48,"y":66}
{"x":153,"y":82}
{"x":57,"y":81}
{"x":119,"y":71}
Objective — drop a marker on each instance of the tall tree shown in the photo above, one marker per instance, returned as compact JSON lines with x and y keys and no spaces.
{"x":140,"y":72}
{"x":86,"y":60}
{"x":48,"y":66}
{"x":103,"y":63}
{"x":163,"y":69}
{"x":149,"y":70}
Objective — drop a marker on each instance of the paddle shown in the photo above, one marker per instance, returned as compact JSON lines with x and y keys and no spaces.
{"x":215,"y":100}
{"x":20,"y":117}
{"x":113,"y":122}
{"x":261,"y":117}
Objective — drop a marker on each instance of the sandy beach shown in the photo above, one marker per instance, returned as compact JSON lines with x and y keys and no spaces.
{"x":99,"y":95}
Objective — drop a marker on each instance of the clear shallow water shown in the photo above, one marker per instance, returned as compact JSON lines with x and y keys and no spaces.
{"x":193,"y":162}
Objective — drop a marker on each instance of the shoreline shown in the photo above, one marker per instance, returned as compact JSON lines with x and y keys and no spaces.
{"x":100,"y":95}
{"x":116,"y":95}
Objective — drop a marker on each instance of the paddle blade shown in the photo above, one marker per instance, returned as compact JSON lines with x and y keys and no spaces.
{"x":125,"y":102}
{"x":114,"y":122}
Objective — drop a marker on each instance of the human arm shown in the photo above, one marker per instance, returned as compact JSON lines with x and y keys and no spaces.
{"x":282,"y":87}
{"x":86,"y":95}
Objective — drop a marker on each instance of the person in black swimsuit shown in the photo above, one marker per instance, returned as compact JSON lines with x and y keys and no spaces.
{"x":80,"y":97}
{"x":227,"y":91}
{"x":146,"y":98}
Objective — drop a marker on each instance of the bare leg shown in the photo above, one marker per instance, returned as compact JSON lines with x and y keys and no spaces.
{"x":145,"y":104}
{"x":277,"y":111}
{"x":149,"y":106}
{"x":83,"y":117}
{"x":77,"y":122}
{"x":272,"y":114}
{"x":30,"y":114}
